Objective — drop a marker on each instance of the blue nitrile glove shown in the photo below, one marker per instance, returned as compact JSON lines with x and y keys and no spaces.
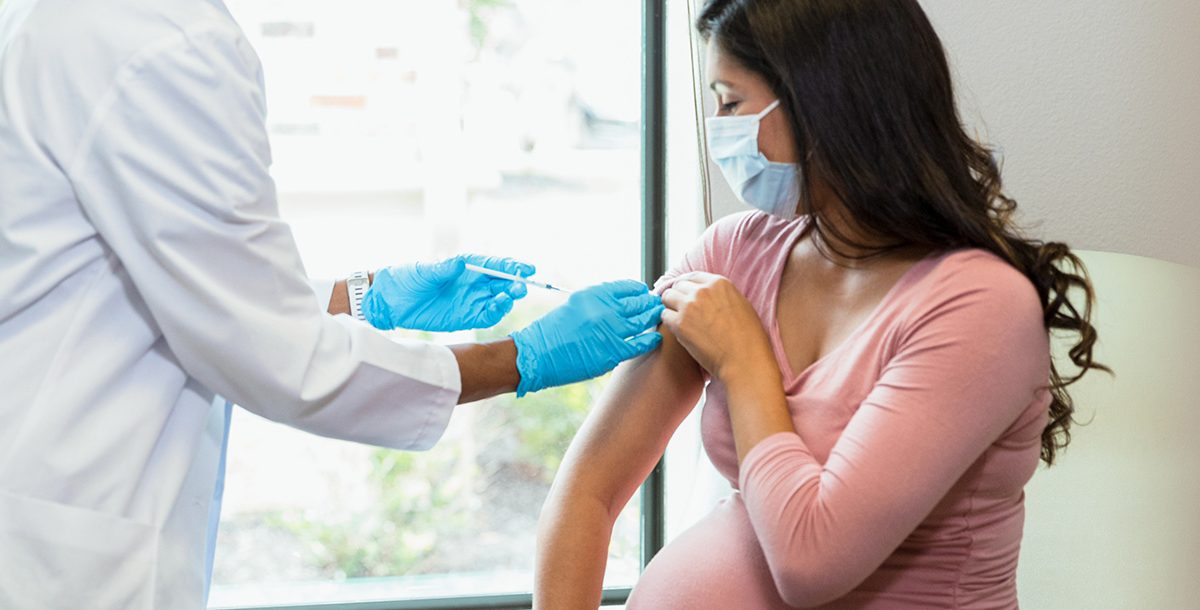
{"x":444,"y":296}
{"x":591,"y":334}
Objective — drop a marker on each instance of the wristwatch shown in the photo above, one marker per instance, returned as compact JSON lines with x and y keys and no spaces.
{"x":356,"y":287}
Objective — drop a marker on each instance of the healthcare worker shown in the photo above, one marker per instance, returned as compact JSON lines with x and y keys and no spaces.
{"x":145,"y":274}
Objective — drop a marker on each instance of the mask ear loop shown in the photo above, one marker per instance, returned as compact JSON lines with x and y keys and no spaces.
{"x":698,"y":115}
{"x":765,"y":111}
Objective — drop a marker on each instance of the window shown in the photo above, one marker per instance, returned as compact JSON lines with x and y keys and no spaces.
{"x":412,"y":131}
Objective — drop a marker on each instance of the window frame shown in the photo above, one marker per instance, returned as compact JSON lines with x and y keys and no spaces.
{"x":654,"y":256}
{"x":512,"y":601}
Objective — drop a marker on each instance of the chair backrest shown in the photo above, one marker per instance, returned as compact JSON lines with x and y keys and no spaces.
{"x":1116,"y":523}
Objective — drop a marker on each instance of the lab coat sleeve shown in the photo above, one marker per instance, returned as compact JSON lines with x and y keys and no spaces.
{"x":172,"y":171}
{"x":323,"y":288}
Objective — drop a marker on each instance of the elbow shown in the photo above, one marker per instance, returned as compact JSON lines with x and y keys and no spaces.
{"x":811,"y":584}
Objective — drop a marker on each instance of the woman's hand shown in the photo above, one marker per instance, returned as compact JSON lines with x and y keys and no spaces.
{"x":718,"y":327}
{"x":723,"y":333}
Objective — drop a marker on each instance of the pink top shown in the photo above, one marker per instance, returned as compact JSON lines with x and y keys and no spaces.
{"x":902,"y":486}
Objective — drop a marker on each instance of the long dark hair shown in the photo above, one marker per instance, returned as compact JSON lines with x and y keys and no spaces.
{"x":867,"y":89}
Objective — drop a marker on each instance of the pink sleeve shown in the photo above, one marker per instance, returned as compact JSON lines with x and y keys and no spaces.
{"x":713,"y":252}
{"x":965,"y":368}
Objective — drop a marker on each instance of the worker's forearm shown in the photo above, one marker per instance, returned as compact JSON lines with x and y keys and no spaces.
{"x":487,"y":369}
{"x":339,"y":301}
{"x":572,"y":555}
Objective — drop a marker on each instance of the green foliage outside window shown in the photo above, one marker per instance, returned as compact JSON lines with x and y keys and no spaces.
{"x":459,"y":507}
{"x":465,"y":506}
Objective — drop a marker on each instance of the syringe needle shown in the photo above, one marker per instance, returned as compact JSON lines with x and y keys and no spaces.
{"x":515,"y":278}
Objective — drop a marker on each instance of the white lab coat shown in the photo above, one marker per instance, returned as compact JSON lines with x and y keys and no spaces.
{"x":143,"y":272}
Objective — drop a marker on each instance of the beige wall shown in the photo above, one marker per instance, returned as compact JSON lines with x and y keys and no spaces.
{"x":1116,"y":523}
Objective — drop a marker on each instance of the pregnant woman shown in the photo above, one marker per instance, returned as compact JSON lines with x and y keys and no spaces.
{"x":872,"y":342}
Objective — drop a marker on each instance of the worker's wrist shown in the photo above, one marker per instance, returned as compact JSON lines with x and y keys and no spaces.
{"x":501,"y":356}
{"x":486,"y":369}
{"x":504,"y":352}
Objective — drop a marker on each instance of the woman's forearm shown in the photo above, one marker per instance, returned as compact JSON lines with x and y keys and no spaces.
{"x":757,"y":406}
{"x":573,"y":539}
{"x":723,"y":333}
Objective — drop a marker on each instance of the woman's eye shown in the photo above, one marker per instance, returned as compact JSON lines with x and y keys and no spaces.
{"x":729,"y":106}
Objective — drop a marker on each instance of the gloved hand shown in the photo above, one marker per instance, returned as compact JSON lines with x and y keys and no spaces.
{"x":444,"y":296}
{"x":591,"y":334}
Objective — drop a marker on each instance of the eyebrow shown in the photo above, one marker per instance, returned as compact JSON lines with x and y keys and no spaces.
{"x":713,"y":85}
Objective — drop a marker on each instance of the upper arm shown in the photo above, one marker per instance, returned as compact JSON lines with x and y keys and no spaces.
{"x":629,"y":427}
{"x":715,"y":250}
{"x":960,"y":379}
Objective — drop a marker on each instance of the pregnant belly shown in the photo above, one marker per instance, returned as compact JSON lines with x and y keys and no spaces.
{"x":717,"y":564}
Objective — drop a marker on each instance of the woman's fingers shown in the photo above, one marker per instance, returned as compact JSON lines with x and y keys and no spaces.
{"x":679,"y":293}
{"x":697,"y":277}
{"x":673,"y":299}
{"x":691,"y":282}
{"x":670,"y":319}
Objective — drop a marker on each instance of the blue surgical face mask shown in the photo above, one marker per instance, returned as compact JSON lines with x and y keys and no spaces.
{"x":733,"y":145}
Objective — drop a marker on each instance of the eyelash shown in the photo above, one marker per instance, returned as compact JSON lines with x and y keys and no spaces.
{"x":729,"y":106}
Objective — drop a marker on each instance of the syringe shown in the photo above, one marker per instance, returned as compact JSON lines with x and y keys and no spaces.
{"x":515,"y":278}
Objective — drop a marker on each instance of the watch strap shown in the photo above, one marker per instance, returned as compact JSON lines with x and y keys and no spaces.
{"x":356,"y":287}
